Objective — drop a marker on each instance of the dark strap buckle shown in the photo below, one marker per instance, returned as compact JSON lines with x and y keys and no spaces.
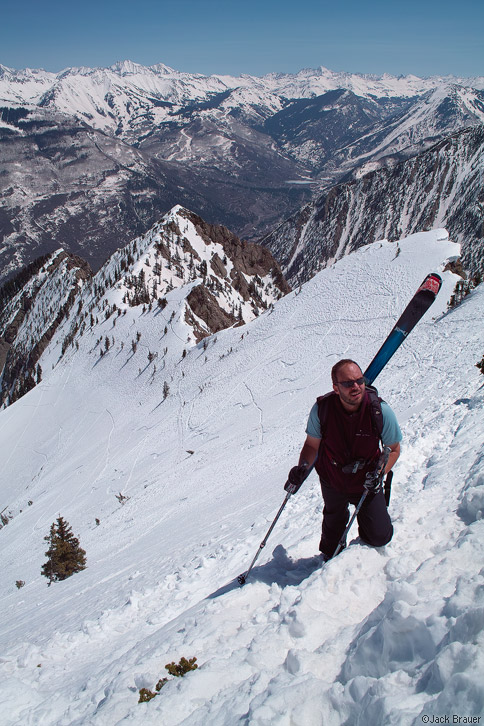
{"x":354,"y":467}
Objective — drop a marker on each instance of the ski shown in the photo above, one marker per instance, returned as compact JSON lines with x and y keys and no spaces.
{"x":415,"y":310}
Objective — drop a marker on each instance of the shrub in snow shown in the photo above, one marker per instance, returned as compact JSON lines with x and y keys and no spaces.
{"x":174,"y":669}
{"x":146,"y":695}
{"x":20,"y":583}
{"x":65,"y":555}
{"x":181,"y":668}
{"x":4,"y":519}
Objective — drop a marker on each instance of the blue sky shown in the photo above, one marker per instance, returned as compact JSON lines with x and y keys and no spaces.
{"x":424,"y":37}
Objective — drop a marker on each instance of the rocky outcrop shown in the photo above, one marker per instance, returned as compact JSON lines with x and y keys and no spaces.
{"x":247,"y":257}
{"x":205,"y":306}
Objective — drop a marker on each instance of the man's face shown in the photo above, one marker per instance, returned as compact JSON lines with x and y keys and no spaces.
{"x":350,"y":397}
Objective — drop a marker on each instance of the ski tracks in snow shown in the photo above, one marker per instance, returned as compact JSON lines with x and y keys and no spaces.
{"x":260,"y":414}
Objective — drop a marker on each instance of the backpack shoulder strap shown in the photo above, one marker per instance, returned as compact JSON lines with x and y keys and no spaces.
{"x":323,"y":406}
{"x":375,"y":407}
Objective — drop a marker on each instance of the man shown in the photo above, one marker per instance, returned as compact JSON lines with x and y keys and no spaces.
{"x":346,"y":455}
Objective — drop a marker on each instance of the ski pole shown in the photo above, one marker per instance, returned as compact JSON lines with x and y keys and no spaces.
{"x":242,"y":578}
{"x":382,"y":462}
{"x":342,"y":541}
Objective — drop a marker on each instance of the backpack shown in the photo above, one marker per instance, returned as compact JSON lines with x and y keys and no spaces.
{"x":377,"y":421}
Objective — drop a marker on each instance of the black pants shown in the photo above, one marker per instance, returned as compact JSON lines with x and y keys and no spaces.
{"x":374,"y":524}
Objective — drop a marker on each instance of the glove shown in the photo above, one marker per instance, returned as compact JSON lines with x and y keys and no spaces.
{"x":373,"y":481}
{"x":296,"y":477}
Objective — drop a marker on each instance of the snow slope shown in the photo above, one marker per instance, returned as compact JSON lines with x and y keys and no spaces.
{"x":376,"y":637}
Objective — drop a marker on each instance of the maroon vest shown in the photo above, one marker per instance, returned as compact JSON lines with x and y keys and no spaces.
{"x":349,"y":446}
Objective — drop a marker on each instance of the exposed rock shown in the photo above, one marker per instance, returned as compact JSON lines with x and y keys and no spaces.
{"x":247,"y":257}
{"x":218,"y":266}
{"x":50,"y":286}
{"x":205,"y":306}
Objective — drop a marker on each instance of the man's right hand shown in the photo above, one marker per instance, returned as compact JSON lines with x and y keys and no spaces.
{"x":296,"y":477}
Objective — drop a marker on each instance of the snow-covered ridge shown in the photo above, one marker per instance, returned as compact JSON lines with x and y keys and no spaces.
{"x":180,"y":253}
{"x":424,"y":122}
{"x":202,"y":274}
{"x":380,"y":636}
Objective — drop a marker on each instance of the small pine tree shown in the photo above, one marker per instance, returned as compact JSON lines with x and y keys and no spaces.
{"x":65,"y":556}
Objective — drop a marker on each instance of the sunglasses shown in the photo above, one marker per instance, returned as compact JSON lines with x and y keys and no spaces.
{"x":350,"y":384}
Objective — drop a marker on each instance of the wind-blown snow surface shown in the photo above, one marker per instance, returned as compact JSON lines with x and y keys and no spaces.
{"x":378,"y":636}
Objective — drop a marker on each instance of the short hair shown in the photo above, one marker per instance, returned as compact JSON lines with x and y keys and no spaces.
{"x":338,"y":365}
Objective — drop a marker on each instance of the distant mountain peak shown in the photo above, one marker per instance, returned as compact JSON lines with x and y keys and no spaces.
{"x":128,"y":67}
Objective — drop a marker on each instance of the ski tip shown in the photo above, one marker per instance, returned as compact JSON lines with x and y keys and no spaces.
{"x":432,"y":283}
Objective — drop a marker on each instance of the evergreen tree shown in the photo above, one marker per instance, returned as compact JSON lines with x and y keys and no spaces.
{"x":65,"y":556}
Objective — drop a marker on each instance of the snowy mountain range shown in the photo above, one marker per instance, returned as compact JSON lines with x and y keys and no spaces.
{"x":170,"y":490}
{"x":127,"y":89}
{"x":94,"y":157}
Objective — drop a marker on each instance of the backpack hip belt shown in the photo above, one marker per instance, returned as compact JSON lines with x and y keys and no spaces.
{"x":354,"y":466}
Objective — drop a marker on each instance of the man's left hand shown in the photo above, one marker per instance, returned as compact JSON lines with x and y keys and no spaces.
{"x":373,"y":481}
